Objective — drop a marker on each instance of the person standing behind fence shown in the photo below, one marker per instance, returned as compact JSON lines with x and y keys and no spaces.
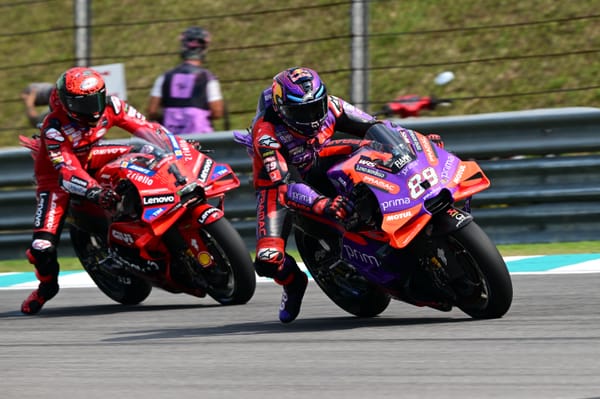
{"x":189,"y":94}
{"x":33,"y":96}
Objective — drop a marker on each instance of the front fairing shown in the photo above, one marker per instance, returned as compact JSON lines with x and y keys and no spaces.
{"x":404,"y":171}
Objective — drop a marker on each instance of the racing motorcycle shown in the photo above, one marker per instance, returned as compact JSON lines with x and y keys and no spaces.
{"x":168,"y":229}
{"x":411,"y":236}
{"x":411,"y":105}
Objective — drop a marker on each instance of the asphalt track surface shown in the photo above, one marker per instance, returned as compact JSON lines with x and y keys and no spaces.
{"x":82,"y":345}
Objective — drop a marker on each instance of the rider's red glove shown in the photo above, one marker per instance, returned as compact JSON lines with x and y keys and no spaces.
{"x":338,"y":208}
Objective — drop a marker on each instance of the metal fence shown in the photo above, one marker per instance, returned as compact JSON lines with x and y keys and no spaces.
{"x":544,"y":166}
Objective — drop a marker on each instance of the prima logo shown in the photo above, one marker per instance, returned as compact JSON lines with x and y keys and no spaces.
{"x":354,"y":255}
{"x":394,"y":203}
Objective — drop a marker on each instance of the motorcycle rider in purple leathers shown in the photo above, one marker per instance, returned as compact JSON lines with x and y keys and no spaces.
{"x":295,"y":117}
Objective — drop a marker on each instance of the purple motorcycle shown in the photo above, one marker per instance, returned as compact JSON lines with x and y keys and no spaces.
{"x":411,"y":236}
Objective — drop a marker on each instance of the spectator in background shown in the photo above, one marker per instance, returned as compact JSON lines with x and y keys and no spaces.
{"x":35,"y":95}
{"x":189,"y":94}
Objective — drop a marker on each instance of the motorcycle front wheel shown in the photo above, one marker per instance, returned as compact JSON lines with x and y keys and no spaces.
{"x":232,"y":281}
{"x":118,"y":285}
{"x":473,"y":251}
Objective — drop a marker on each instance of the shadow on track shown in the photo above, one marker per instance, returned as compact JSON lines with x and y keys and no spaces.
{"x":100,"y":310}
{"x":274,"y":327}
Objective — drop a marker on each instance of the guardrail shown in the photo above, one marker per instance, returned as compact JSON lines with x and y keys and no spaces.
{"x":543,"y":164}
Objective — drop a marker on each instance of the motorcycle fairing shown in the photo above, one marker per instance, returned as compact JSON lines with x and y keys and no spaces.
{"x":403,"y":176}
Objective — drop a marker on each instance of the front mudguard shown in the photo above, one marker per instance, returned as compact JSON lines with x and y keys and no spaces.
{"x":447,"y":221}
{"x":206,"y":214}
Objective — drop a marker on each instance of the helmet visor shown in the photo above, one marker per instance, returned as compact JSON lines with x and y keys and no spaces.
{"x":89,"y":105}
{"x":306,"y":113}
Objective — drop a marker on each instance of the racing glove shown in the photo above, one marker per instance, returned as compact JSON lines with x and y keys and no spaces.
{"x":104,"y":197}
{"x":338,"y":208}
{"x":436,"y":139}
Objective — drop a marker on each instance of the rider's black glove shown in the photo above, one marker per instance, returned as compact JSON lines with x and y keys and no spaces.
{"x":104,"y":197}
{"x":338,"y":208}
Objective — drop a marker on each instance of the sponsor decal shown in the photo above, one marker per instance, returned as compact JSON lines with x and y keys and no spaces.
{"x":121,"y":236}
{"x":204,"y":258}
{"x":80,"y":182}
{"x":459,"y":174}
{"x":275,"y":175}
{"x":187,"y":153}
{"x":369,"y":171}
{"x":260,"y":216}
{"x":153,"y":213}
{"x":108,"y":150}
{"x":40,"y":245}
{"x":140,"y":178}
{"x":401,"y":162}
{"x":132,"y":112}
{"x":53,"y":134}
{"x":116,"y":103}
{"x":415,"y":140}
{"x":268,"y":254}
{"x":208,"y":163}
{"x":394,"y":217}
{"x":51,"y":218}
{"x":337,"y":106}
{"x":101,"y":132}
{"x":448,"y":166}
{"x":137,"y":168}
{"x":429,"y":151}
{"x":88,"y":83}
{"x":219,"y":171}
{"x":380,"y":184}
{"x":268,"y":141}
{"x":458,"y":216}
{"x":73,"y":188}
{"x":210,"y":212}
{"x":40,"y":211}
{"x":159,"y":199}
{"x":394,"y":203}
{"x":270,"y":163}
{"x":353,"y":255}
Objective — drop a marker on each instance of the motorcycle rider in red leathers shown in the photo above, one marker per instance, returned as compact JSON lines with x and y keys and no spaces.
{"x":295,"y":118}
{"x":81,"y":114}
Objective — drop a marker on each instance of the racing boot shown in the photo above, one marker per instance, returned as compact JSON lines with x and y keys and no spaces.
{"x":46,"y":290}
{"x":46,"y":271}
{"x":291,"y":299}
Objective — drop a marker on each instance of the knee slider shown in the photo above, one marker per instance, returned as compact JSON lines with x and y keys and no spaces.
{"x":42,"y":255}
{"x":268,"y":262}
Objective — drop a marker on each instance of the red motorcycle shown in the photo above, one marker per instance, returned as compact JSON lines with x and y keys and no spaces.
{"x":411,"y":105}
{"x":168,"y":229}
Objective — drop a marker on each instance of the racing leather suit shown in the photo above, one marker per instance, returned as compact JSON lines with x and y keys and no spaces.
{"x":61,"y":156}
{"x":281,"y":160}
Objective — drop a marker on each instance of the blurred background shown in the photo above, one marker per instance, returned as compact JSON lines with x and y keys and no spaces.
{"x":505,"y":54}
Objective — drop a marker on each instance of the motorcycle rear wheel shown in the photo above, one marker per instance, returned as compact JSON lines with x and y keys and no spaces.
{"x":118,"y":285}
{"x":232,"y":261}
{"x":342,"y":284}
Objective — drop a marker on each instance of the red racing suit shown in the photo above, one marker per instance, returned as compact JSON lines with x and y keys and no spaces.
{"x":281,"y":160}
{"x":61,"y":157}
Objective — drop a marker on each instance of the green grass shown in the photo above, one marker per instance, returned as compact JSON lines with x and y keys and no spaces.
{"x":500,"y":54}
{"x":505,"y":250}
